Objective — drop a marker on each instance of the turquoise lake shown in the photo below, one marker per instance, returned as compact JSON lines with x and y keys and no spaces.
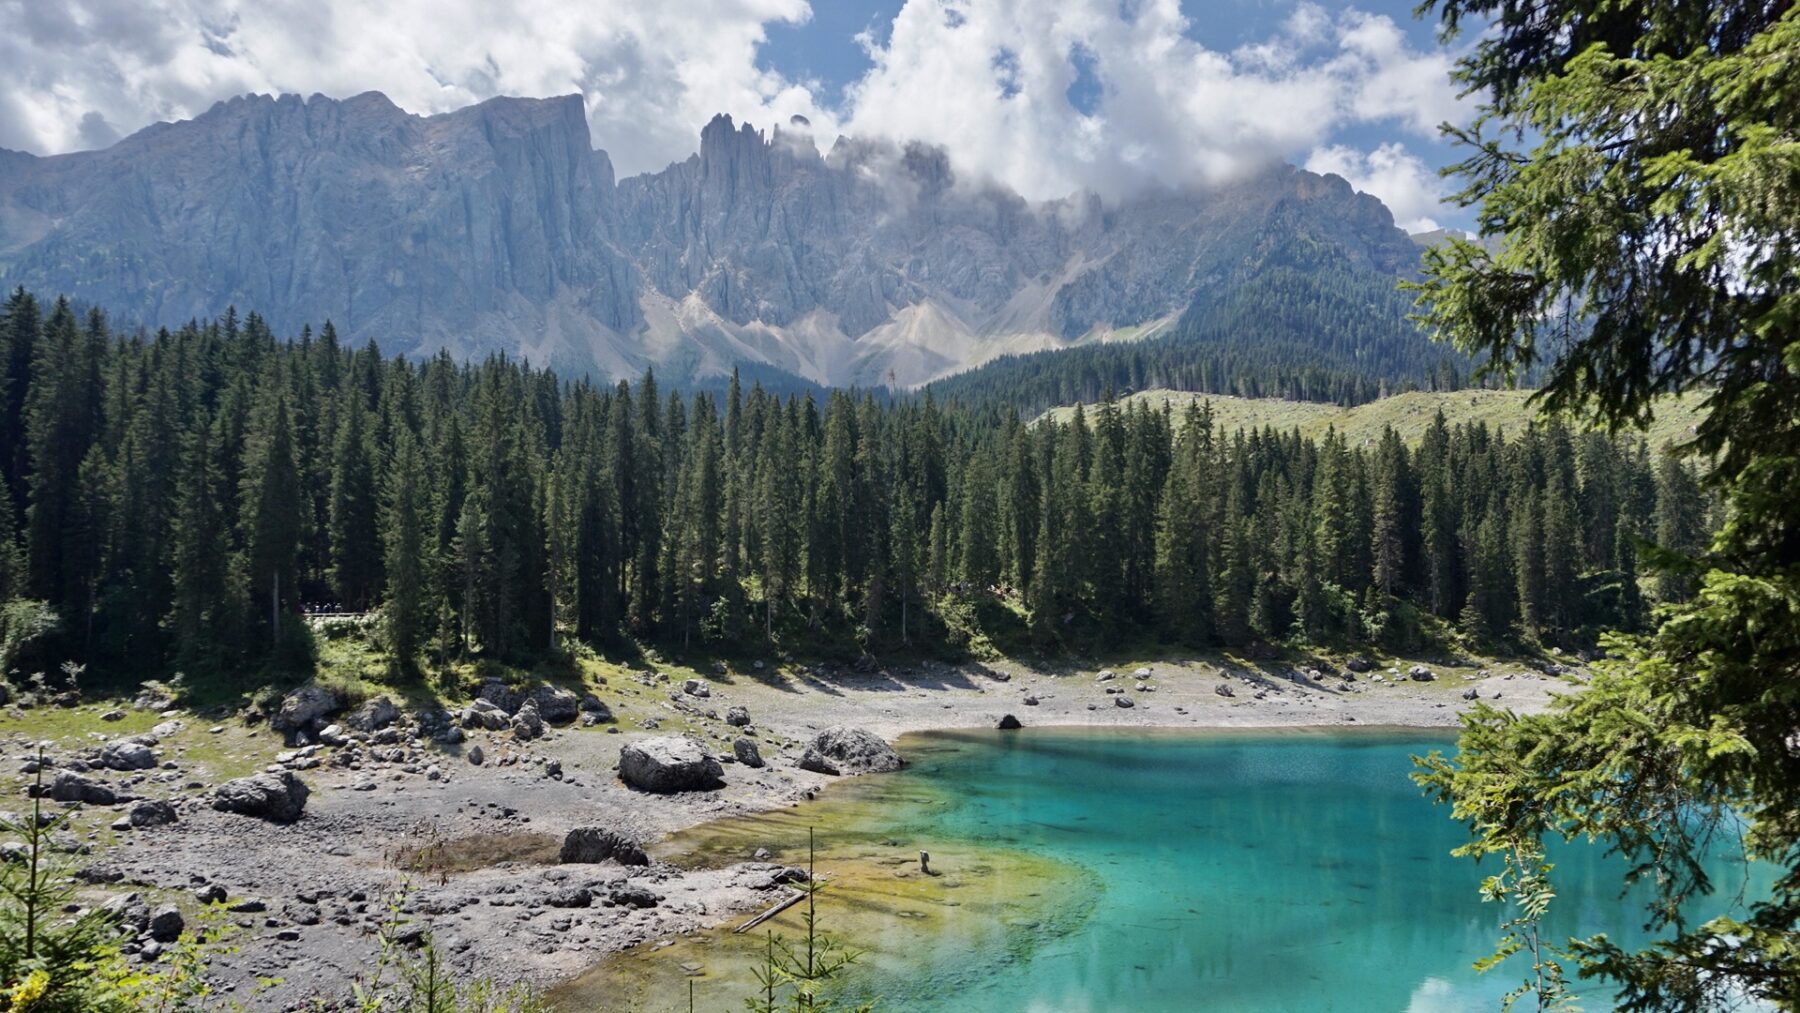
{"x":1103,"y":870}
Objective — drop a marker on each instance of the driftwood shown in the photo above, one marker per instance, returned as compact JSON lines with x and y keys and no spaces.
{"x":797,"y":897}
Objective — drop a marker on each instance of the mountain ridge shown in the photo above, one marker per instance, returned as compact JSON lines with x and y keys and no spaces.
{"x":499,"y":227}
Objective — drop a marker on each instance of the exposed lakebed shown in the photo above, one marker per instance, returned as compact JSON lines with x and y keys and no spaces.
{"x":1086,"y":869}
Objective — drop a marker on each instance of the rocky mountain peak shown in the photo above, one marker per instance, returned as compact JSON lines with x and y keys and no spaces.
{"x":499,"y":227}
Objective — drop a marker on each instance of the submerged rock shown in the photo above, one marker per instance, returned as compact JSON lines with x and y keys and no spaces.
{"x":846,"y":750}
{"x":669,"y":763}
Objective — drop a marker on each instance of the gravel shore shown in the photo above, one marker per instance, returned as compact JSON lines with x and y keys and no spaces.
{"x":471,"y":850}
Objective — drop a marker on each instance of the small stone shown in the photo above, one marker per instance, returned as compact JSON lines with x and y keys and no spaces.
{"x":1123,"y":701}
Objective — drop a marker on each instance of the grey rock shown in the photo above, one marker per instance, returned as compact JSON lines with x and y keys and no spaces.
{"x":305,"y":708}
{"x":593,"y":705}
{"x":1224,"y":689}
{"x":668,"y":764}
{"x":746,"y":752}
{"x":373,"y":715}
{"x":1471,"y":694}
{"x":587,"y":845}
{"x":847,"y":750}
{"x":166,"y":924}
{"x":737,"y":717}
{"x":555,"y":705}
{"x":486,"y":714}
{"x":151,"y":813}
{"x":696,"y":687}
{"x":1360,"y":665}
{"x":475,"y":756}
{"x":527,"y":724}
{"x":500,"y":695}
{"x":211,"y":894}
{"x":127,"y":755}
{"x":278,"y":797}
{"x":1419,"y":673}
{"x":72,"y":787}
{"x":632,"y":895}
{"x":1123,"y":701}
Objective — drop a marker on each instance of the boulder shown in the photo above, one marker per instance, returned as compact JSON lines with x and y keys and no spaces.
{"x":746,"y":752}
{"x":1471,"y":694}
{"x":373,"y":715}
{"x":127,"y":754}
{"x":634,"y":896}
{"x":72,"y":787}
{"x":1008,"y":723}
{"x":476,"y":756}
{"x":1419,"y":673}
{"x":1106,"y":675}
{"x":556,"y":706}
{"x":278,"y":797}
{"x":151,"y":812}
{"x":305,"y":708}
{"x":500,"y":695}
{"x":1123,"y":701}
{"x":166,"y":924}
{"x":1223,"y":689}
{"x":591,"y":704}
{"x":527,"y":724}
{"x":669,"y":763}
{"x":1142,"y":673}
{"x":1360,"y":664}
{"x":587,"y":845}
{"x":486,"y":714}
{"x":846,"y":750}
{"x":1031,"y":701}
{"x":696,"y":687}
{"x":737,"y":717}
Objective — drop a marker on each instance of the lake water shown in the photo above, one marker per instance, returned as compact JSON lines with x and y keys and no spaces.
{"x":1101,"y":870}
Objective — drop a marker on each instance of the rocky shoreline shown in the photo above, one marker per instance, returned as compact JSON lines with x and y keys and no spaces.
{"x":514,"y":828}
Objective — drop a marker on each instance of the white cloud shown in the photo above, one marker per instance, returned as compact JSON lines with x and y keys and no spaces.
{"x":1410,"y":189}
{"x":651,"y":73}
{"x":987,"y":79}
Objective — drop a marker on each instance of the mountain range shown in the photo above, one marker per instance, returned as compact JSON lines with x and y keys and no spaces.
{"x":499,"y":228}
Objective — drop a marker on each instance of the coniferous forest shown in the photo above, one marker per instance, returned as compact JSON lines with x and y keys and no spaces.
{"x":177,"y":499}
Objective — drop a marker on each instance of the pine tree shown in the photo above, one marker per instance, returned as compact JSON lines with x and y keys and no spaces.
{"x":406,"y":534}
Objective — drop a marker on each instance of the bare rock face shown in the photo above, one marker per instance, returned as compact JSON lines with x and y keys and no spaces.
{"x":500,"y":220}
{"x":305,"y":708}
{"x":587,"y":845}
{"x":276,"y":797}
{"x":669,"y":763}
{"x":847,"y":750}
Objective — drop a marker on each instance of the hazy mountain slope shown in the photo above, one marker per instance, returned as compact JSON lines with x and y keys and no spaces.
{"x":1410,"y":414}
{"x":498,"y":228}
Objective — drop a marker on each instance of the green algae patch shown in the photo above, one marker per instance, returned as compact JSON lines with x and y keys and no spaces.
{"x":980,"y":908}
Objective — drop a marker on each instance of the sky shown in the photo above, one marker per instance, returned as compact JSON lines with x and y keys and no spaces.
{"x":1045,"y":96}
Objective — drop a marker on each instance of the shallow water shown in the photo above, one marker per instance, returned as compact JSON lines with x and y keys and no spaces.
{"x":1099,"y":870}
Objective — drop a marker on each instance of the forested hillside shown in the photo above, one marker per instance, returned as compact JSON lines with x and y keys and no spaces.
{"x":178,"y":499}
